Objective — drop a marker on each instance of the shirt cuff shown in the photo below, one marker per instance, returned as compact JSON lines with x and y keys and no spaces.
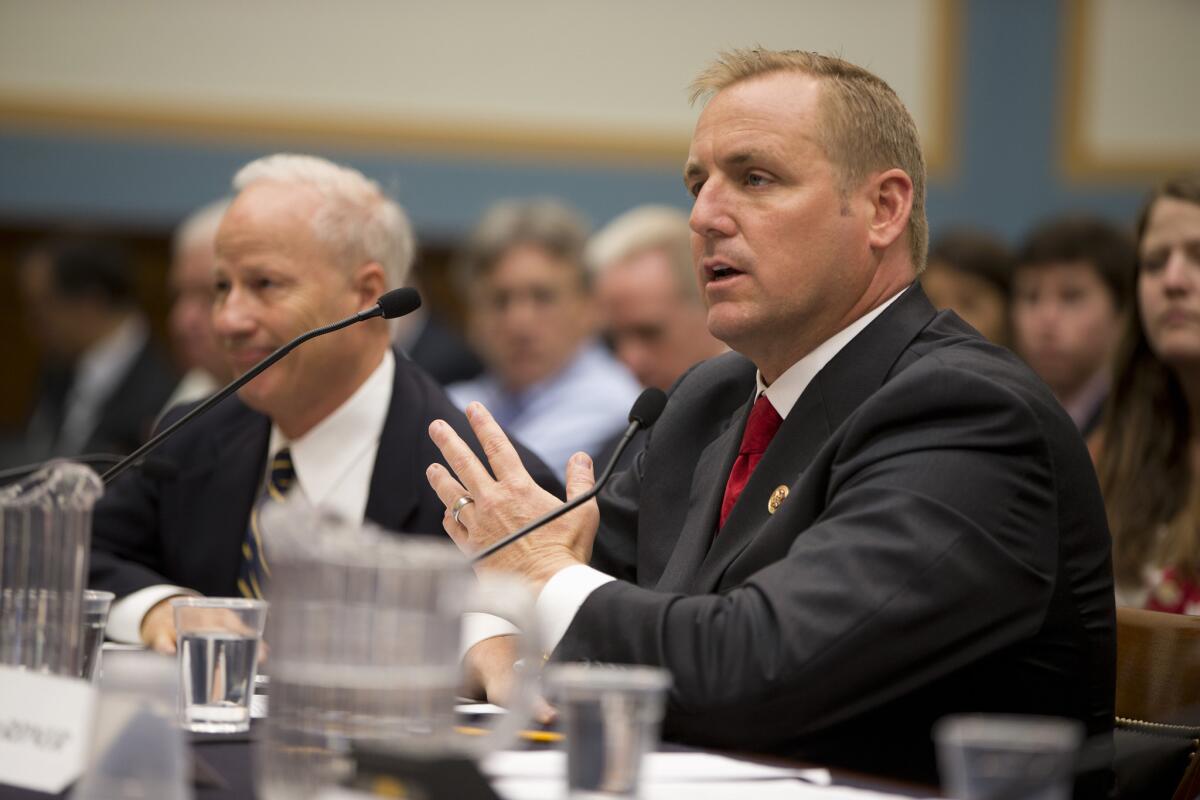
{"x":126,"y":615}
{"x":477,"y":626}
{"x":561,"y":598}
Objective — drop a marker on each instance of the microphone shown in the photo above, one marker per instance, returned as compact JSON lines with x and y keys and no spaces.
{"x":391,"y":305}
{"x":645,"y":412}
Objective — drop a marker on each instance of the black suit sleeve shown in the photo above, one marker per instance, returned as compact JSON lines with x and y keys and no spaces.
{"x":931,"y":551}
{"x":126,"y":553}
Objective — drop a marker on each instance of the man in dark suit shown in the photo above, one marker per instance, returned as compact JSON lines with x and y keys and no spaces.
{"x":862,"y":520}
{"x":337,"y":424}
{"x":103,"y":381}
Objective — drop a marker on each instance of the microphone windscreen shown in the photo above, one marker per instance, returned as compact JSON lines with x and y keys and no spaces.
{"x":399,"y":302}
{"x":648,"y":406}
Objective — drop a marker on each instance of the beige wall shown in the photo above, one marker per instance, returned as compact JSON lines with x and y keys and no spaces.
{"x":583,"y":75}
{"x":1133,"y":100}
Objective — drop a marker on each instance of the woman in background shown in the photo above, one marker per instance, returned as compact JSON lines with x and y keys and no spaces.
{"x":1148,"y":459}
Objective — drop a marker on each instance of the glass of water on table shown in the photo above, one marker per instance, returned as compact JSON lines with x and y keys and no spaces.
{"x":218,"y":639}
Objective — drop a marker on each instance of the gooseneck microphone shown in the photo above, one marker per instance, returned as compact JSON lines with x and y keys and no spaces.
{"x":391,"y":305}
{"x":645,"y":412}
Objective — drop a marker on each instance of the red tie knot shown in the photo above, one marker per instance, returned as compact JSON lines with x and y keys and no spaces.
{"x":761,"y":427}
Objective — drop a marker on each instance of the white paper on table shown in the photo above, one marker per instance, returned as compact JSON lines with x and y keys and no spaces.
{"x":540,"y":775}
{"x":658,"y":768}
{"x":771,"y":789}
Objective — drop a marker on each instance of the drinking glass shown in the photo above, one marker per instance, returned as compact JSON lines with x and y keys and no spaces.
{"x":95,"y":616}
{"x":611,"y":716}
{"x":218,"y":641}
{"x":1007,"y":757}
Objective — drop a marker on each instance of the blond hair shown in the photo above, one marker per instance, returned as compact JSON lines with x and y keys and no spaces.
{"x":866,"y":127}
{"x":356,"y":219}
{"x":645,"y":228}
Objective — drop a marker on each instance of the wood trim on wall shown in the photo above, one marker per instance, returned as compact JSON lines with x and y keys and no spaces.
{"x":948,"y":68}
{"x":1080,"y":164}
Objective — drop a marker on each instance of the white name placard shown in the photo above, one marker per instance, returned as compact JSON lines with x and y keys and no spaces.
{"x":45,"y":722}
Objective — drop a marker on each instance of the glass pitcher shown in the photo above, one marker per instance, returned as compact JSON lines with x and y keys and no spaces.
{"x":364,"y":649}
{"x":45,"y":533}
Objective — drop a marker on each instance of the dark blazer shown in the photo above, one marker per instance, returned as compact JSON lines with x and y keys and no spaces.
{"x":443,"y":354}
{"x":152,"y":527}
{"x":126,"y":416}
{"x":942,"y":548}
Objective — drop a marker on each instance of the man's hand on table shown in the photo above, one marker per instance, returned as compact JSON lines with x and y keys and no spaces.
{"x":159,"y":632}
{"x":158,"y":626}
{"x":491,"y":675}
{"x":511,"y":499}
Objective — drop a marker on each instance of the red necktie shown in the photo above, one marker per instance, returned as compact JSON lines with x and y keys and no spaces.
{"x":760,"y":429}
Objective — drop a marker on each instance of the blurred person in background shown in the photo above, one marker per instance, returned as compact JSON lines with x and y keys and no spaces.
{"x":102,"y":381}
{"x":1068,"y":293}
{"x":1148,"y":457}
{"x":190,"y":280}
{"x":532,"y":319}
{"x":433,"y":344}
{"x":969,"y":273}
{"x":650,"y":307}
{"x":339,"y":424}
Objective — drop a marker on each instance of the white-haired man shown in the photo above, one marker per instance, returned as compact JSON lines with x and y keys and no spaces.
{"x":650,"y":307}
{"x":339,"y":422}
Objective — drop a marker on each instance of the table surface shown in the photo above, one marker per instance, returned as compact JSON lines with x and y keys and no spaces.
{"x":223,"y":771}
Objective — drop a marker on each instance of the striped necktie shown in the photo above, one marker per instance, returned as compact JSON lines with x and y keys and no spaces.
{"x":252,"y":576}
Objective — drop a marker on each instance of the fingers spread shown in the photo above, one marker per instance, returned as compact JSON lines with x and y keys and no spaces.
{"x":458,"y":455}
{"x":447,"y":489}
{"x":496,"y":446}
{"x":579,"y":478}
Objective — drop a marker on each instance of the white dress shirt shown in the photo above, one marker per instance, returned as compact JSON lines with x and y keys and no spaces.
{"x":567,"y":590}
{"x":333,"y":461}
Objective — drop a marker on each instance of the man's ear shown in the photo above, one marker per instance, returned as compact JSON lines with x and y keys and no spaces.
{"x":369,"y":284}
{"x":891,"y":196}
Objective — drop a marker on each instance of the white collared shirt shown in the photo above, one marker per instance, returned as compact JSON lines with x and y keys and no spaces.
{"x":334,"y":462}
{"x":567,"y":590}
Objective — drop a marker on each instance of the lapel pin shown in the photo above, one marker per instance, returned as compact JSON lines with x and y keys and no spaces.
{"x":776,"y":500}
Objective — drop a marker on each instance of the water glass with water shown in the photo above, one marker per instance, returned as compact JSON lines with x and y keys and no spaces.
{"x":1007,"y":757}
{"x":218,"y":640}
{"x":611,"y":716}
{"x":95,"y":616}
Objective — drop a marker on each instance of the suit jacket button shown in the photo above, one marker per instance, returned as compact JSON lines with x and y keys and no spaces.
{"x":776,"y":500}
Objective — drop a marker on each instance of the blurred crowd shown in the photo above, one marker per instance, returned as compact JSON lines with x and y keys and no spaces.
{"x":563,"y":325}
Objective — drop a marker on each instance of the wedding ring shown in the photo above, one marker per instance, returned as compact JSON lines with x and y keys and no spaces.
{"x":459,"y":505}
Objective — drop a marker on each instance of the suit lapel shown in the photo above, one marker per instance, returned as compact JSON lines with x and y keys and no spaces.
{"x":392,"y":498}
{"x":234,"y":475}
{"x":799,"y":438}
{"x":704,"y":505}
{"x":834,"y":394}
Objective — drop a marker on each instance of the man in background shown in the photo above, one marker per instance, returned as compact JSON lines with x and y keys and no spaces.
{"x":103,"y":382}
{"x":650,"y":307}
{"x":532,"y":319}
{"x":190,"y":281}
{"x":1069,"y":290}
{"x":969,"y":273}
